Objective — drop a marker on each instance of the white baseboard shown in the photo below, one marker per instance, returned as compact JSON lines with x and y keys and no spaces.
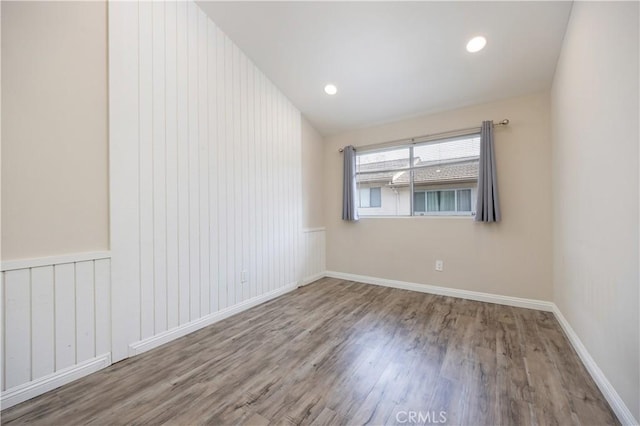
{"x":165,"y":337}
{"x":540,"y":305}
{"x":617,"y":404}
{"x":29,"y":390}
{"x":319,"y":229}
{"x":316,"y":277}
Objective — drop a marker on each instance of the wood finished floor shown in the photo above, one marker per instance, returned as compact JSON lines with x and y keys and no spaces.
{"x":339,"y":352}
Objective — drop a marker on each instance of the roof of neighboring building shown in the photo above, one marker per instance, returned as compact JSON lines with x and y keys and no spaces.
{"x":458,"y":171}
{"x":464,"y":169}
{"x":384,"y":165}
{"x":384,"y":175}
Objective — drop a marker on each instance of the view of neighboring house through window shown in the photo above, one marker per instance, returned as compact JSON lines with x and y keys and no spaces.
{"x":369,"y":197}
{"x":442,"y":201}
{"x":442,"y":175}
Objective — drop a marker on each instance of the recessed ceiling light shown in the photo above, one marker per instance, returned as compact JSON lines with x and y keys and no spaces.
{"x":330,"y":89}
{"x":476,"y":44}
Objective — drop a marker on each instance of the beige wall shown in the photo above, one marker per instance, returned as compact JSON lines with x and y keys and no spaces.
{"x":54,"y":133}
{"x":312,"y":176}
{"x":510,"y":258}
{"x":595,"y":188}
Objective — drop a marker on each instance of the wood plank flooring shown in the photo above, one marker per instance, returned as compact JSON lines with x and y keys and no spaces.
{"x":339,"y":352}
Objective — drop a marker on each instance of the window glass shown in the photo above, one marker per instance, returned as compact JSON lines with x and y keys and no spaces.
{"x":365,"y":197}
{"x":436,"y":178}
{"x":369,"y":197}
{"x":394,"y":159}
{"x":375,"y":197}
{"x":433,"y":202}
{"x":419,"y":201}
{"x":446,"y":151}
{"x":464,"y":200}
{"x":441,"y":201}
{"x":447,"y":201}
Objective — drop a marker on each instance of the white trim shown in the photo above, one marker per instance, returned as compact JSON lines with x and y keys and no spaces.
{"x":419,"y":216}
{"x":160,"y":339}
{"x":48,"y":383}
{"x":10,"y":265}
{"x":312,"y":278}
{"x":540,"y":305}
{"x":308,"y":230}
{"x":617,"y":404}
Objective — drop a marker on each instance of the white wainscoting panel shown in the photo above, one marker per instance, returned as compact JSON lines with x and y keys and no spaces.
{"x":56,"y":317}
{"x":313,"y":255}
{"x":205,"y":174}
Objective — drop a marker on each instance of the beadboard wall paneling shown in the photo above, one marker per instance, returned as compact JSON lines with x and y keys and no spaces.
{"x":314,"y":258}
{"x":55,"y":317}
{"x":205,"y":173}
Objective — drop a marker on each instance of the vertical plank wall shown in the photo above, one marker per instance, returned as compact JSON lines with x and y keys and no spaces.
{"x":205,"y":173}
{"x":313,"y":254}
{"x":54,"y":317}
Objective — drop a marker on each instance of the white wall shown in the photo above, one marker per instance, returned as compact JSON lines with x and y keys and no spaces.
{"x":312,"y":176}
{"x":595,"y":188}
{"x":205,"y":173}
{"x":313,"y":241}
{"x":511,"y":258}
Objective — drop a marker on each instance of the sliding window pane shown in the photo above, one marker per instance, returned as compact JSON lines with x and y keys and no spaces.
{"x":433,"y":201}
{"x":365,"y":199}
{"x":441,"y":201}
{"x":464,"y":200}
{"x":447,"y":201}
{"x":419,"y":202}
{"x":375,"y":199}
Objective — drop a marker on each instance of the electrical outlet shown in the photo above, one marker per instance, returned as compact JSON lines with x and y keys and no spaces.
{"x":439,"y":265}
{"x":243,"y":276}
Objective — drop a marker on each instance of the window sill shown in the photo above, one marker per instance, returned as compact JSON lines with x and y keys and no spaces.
{"x":456,"y":217}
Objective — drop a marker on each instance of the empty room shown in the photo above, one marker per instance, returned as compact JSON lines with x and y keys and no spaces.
{"x":320,"y":212}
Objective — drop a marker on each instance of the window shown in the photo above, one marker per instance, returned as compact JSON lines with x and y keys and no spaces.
{"x":369,"y":197}
{"x":430,"y":178}
{"x":447,"y":201}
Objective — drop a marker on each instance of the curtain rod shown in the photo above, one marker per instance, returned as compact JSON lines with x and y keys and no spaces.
{"x":460,"y":132}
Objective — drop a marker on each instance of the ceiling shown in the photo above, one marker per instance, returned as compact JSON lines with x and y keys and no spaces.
{"x":392,"y":60}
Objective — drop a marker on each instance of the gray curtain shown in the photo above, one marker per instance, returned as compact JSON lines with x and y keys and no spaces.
{"x":488,"y":204}
{"x":349,"y":194}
